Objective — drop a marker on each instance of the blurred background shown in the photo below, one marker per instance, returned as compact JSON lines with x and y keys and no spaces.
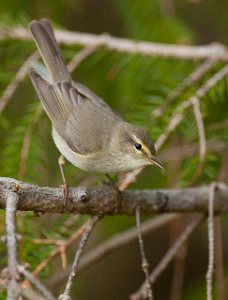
{"x":134,"y":85}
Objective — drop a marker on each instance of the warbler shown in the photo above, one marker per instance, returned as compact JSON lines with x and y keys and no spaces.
{"x":87,"y":132}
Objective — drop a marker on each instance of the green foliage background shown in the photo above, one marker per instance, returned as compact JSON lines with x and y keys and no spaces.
{"x":134,"y":85}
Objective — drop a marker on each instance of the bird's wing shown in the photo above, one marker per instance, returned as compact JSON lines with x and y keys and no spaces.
{"x":79,"y":116}
{"x":57,"y":108}
{"x":90,"y":124}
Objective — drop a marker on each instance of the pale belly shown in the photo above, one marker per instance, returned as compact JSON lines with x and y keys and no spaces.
{"x":95,"y":163}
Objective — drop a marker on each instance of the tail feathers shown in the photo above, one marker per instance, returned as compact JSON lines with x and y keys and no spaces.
{"x":49,"y":50}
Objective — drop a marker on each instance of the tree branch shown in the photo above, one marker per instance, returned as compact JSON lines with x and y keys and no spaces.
{"x":37,"y":284}
{"x":19,"y":77}
{"x":213,"y":50}
{"x":145,"y":264}
{"x":89,"y":228}
{"x":11,"y":209}
{"x":102,"y":201}
{"x":211,"y":242}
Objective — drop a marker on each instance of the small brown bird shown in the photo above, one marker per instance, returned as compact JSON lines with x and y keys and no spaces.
{"x":84,"y":128}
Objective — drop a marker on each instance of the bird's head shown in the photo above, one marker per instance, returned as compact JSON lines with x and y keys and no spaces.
{"x":135,"y":146}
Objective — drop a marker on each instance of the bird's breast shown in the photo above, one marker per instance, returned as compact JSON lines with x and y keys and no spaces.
{"x":97,"y":162}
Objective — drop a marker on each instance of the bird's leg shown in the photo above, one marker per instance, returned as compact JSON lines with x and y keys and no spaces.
{"x":61,"y":162}
{"x":116,"y":192}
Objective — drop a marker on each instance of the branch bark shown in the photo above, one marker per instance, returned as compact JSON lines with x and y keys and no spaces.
{"x":13,"y":289}
{"x":101,"y":201}
{"x":214,"y":50}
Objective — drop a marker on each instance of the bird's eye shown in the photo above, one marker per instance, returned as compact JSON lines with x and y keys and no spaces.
{"x":138,"y":146}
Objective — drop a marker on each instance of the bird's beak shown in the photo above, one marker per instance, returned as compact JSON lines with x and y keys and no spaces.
{"x":157,"y":163}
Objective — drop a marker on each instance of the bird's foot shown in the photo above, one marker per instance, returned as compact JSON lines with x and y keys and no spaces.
{"x":64,"y":186}
{"x":61,"y":162}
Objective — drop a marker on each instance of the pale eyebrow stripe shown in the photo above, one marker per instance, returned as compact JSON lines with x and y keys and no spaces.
{"x":144,"y":149}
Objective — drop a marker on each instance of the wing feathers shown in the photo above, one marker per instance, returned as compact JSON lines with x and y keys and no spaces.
{"x":52,"y":99}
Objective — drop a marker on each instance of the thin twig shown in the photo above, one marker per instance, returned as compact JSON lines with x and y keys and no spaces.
{"x":27,"y":141}
{"x":128,"y":179}
{"x":92,"y":222}
{"x":69,"y":223}
{"x":211,"y":242}
{"x":26,"y":292}
{"x":202,"y":138}
{"x":30,"y":294}
{"x":145,"y":264}
{"x":19,"y":77}
{"x":213,"y":50}
{"x":3,"y":239}
{"x":177,"y":281}
{"x":124,"y":238}
{"x":176,"y":118}
{"x":201,"y":129}
{"x":80,"y":57}
{"x":13,"y":288}
{"x":175,"y":121}
{"x":171,"y":253}
{"x":36,"y":283}
{"x":218,"y":125}
{"x":191,"y":149}
{"x":57,"y":251}
{"x":114,"y":243}
{"x":61,"y":247}
{"x":48,"y":241}
{"x":195,"y":76}
{"x":219,"y":263}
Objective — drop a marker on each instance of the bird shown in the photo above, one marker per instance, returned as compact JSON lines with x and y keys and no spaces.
{"x":87,"y":132}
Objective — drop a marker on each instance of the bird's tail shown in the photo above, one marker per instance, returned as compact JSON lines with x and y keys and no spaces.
{"x":49,"y":49}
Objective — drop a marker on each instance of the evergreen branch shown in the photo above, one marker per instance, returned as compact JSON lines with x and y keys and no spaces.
{"x":58,"y":249}
{"x":19,"y":77}
{"x":178,"y":117}
{"x":27,"y":141}
{"x":195,"y":76}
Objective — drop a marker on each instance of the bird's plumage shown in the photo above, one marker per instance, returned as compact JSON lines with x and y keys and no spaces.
{"x":69,"y":104}
{"x":49,"y":49}
{"x":85,"y":129}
